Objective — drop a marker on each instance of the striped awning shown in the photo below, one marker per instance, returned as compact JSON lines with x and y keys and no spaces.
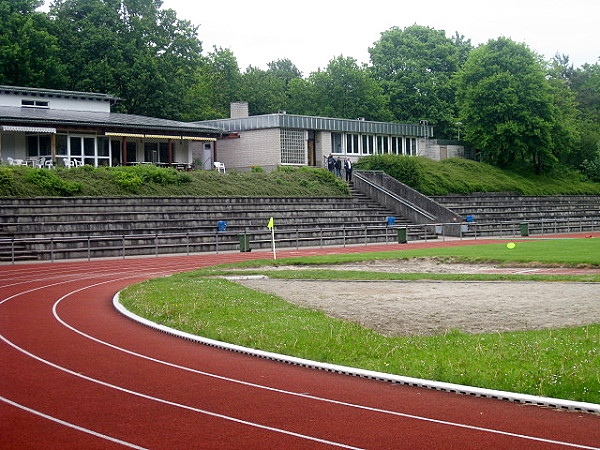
{"x":36,"y":130}
{"x":160,"y":136}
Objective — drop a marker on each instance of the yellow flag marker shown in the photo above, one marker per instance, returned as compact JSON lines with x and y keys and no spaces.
{"x":271,"y":226}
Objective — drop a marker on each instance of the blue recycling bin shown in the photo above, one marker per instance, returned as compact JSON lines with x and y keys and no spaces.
{"x":222,"y":225}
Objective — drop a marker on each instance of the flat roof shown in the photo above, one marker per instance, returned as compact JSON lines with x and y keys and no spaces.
{"x":293,"y":121}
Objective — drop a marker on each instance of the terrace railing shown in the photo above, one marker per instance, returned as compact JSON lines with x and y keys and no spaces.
{"x":13,"y":250}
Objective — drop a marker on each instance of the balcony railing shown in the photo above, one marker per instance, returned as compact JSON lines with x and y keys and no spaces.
{"x":13,"y":250}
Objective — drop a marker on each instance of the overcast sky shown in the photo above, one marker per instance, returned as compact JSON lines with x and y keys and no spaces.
{"x":312,"y":32}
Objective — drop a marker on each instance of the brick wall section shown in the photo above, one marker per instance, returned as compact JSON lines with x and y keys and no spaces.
{"x":323,"y":147}
{"x":253,"y":148}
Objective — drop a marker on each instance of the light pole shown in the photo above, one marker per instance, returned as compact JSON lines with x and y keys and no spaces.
{"x":458,"y":124}
{"x":425,"y":125}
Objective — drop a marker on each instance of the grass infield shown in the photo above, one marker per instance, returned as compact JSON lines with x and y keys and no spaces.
{"x":560,"y":363}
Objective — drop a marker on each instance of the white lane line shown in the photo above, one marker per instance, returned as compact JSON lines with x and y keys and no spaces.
{"x":162,"y":401}
{"x":526,"y":271}
{"x":170,"y":403}
{"x":71,"y":425}
{"x":288,"y":392}
{"x":87,"y":275}
{"x":306,"y":396}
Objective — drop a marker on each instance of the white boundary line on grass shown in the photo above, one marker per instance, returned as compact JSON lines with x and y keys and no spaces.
{"x":380,"y":376}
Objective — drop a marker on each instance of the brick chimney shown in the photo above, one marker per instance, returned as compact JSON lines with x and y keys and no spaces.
{"x":238,"y":110}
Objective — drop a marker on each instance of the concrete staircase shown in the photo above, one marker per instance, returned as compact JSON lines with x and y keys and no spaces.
{"x":58,"y":228}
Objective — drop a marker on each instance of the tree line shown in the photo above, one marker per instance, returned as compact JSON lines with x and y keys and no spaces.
{"x":516,"y":109}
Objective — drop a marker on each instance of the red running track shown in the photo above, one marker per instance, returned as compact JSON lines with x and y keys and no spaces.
{"x":77,"y":374}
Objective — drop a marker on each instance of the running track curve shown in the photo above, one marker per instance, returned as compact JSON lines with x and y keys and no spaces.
{"x":77,"y":374}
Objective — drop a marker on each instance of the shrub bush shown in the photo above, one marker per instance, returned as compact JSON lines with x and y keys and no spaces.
{"x":50,"y":182}
{"x":406,"y":169}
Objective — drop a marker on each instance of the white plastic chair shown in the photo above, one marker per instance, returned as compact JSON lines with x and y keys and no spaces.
{"x":48,"y":164}
{"x":39,"y":164}
{"x":219,"y":166}
{"x":71,"y":162}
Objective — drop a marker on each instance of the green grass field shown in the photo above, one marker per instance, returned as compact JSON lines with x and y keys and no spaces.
{"x":560,"y":363}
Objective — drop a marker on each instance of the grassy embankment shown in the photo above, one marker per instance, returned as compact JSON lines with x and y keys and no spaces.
{"x":149,"y":180}
{"x":560,"y":363}
{"x":462,"y":176}
{"x":429,"y":177}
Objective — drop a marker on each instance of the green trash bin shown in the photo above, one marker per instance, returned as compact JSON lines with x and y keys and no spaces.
{"x":524,"y":229}
{"x":401,"y":235}
{"x":245,"y":242}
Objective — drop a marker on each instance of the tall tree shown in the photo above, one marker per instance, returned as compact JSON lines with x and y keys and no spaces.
{"x":29,"y":53}
{"x":585,"y":82}
{"x":129,"y":48}
{"x":284,"y":69}
{"x":267,"y":91}
{"x":415,"y":67}
{"x":264,"y":93}
{"x":222,"y":72}
{"x":506,"y":105}
{"x":345,"y":90}
{"x":568,"y":131}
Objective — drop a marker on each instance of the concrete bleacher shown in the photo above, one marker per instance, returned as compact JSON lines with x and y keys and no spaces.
{"x":496,"y":212}
{"x":60,"y":228}
{"x":29,"y":226}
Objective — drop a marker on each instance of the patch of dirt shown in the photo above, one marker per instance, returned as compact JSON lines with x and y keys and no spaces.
{"x":395,"y":308}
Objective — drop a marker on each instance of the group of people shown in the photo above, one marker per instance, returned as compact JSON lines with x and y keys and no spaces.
{"x":335,"y":166}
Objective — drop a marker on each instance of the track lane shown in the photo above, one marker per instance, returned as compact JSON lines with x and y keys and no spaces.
{"x":225,"y":399}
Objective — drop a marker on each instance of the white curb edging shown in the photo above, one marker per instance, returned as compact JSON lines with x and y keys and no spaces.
{"x":379,"y":376}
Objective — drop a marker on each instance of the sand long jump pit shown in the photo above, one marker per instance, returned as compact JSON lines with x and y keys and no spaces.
{"x":400,"y":308}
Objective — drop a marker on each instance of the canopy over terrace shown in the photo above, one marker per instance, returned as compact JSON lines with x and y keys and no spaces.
{"x":67,"y":125}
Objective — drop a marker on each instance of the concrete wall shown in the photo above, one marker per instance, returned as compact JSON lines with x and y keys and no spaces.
{"x":436,"y":151}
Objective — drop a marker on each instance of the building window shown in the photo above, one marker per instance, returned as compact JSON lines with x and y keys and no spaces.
{"x":131,"y":152}
{"x":163,"y":152}
{"x":411,"y":146}
{"x":113,"y":150}
{"x":151,"y":152}
{"x":293,"y":147}
{"x":38,"y":146}
{"x":61,"y":145}
{"x":395,"y":146}
{"x":85,"y":149}
{"x":352,"y":143}
{"x":379,"y":141}
{"x":336,"y":143}
{"x":367,"y":144}
{"x":34,"y":104}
